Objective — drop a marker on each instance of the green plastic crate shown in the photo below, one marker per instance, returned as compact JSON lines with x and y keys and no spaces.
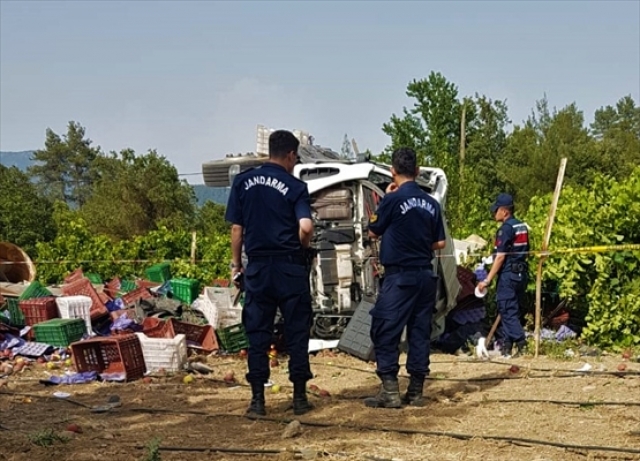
{"x":186,"y":290}
{"x":60,"y":332}
{"x":94,"y":278}
{"x":34,"y":290}
{"x":158,"y":273}
{"x":126,"y":286}
{"x":233,"y":338}
{"x":16,"y":316}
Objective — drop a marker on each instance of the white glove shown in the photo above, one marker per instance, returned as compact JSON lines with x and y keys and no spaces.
{"x":481,"y":349}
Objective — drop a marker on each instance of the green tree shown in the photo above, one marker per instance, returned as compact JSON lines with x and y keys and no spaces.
{"x":25,"y":215}
{"x":617,"y":130}
{"x":346,"y":152}
{"x":63,"y":167}
{"x":210,"y":219}
{"x":135,"y":194}
{"x":534,"y":150}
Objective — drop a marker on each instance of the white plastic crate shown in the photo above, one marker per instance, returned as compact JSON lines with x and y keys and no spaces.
{"x":76,"y":307}
{"x":217,"y":306}
{"x":167,"y":353}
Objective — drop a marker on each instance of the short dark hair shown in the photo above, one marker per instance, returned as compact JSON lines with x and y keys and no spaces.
{"x":281,"y":142}
{"x":404,"y":161}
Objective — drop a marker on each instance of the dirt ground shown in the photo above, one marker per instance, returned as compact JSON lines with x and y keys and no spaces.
{"x":471,"y":414}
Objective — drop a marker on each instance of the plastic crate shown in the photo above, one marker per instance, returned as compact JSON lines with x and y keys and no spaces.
{"x":94,"y":278}
{"x":136,"y":295}
{"x":169,"y":354}
{"x":16,"y":317}
{"x":160,"y":272}
{"x":217,"y":306}
{"x":76,"y":307}
{"x":60,"y":332}
{"x":117,"y":288}
{"x":154,"y":327}
{"x":186,"y":290}
{"x":200,"y":337}
{"x":75,"y":275}
{"x":233,"y":338}
{"x":115,"y":354}
{"x":84,"y":287}
{"x":34,"y":290}
{"x":38,"y":310}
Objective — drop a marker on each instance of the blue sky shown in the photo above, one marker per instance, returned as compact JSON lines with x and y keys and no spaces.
{"x":193,"y":79}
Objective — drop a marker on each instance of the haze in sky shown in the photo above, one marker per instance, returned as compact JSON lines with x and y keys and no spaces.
{"x":193,"y":79}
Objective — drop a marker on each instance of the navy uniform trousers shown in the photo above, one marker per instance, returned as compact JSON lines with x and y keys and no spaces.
{"x":272,"y":282}
{"x":406,"y":298}
{"x":509,"y":295}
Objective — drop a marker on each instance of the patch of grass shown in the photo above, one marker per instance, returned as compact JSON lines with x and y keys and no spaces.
{"x":46,"y":438}
{"x":557,"y":350}
{"x":153,"y":450}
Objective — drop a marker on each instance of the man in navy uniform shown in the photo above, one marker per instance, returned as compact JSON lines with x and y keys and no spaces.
{"x":410,"y":224}
{"x":270,"y":214}
{"x":511,"y":268}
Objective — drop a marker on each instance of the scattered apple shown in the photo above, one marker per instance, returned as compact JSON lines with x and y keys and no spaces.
{"x":514,"y":369}
{"x":229,"y":377}
{"x":626,"y":354}
{"x":243,"y":352}
{"x":324,"y":393}
{"x":19,"y":360}
{"x":51,"y":365}
{"x":41,"y":360}
{"x":187,"y":379}
{"x":146,"y":380}
{"x":275,"y":388}
{"x":68,"y":362}
{"x":622,"y":367}
{"x":274,"y":363}
{"x":313,"y":387}
{"x":74,"y":428}
{"x":55,"y":357}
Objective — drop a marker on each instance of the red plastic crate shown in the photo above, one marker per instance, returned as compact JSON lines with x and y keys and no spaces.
{"x":154,"y":327}
{"x":84,"y":287}
{"x":135,"y":295}
{"x":115,"y":354}
{"x":200,"y":337}
{"x":38,"y":310}
{"x":75,"y":275}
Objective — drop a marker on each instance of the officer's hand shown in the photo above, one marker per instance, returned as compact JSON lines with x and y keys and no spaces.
{"x":482,"y":286}
{"x":391,"y":188}
{"x":235,"y":277}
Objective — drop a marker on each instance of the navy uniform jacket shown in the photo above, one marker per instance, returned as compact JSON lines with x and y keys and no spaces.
{"x":512,"y":237}
{"x":411,"y":221}
{"x":268,"y":203}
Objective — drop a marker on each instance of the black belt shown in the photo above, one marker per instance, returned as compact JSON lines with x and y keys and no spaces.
{"x":292,"y":259}
{"x":398,"y":269}
{"x":519,"y":267}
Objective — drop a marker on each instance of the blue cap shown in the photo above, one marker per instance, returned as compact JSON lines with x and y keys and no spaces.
{"x":502,"y":200}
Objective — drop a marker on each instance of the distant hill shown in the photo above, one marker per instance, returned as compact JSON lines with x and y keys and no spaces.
{"x":21,"y":160}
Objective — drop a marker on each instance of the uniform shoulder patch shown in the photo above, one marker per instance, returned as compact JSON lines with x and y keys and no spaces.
{"x":373,"y":218}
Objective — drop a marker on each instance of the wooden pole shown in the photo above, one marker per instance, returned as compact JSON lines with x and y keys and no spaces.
{"x":463,"y":136}
{"x":193,"y":248}
{"x":545,"y":247}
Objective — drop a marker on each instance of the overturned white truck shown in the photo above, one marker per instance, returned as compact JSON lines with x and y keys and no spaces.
{"x":344,"y":194}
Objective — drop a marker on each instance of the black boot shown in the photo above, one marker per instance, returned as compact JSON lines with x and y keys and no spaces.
{"x":507,"y":348}
{"x":414,"y":392}
{"x":300,"y":403}
{"x":256,"y":408}
{"x":389,"y":395}
{"x":521,"y":346}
